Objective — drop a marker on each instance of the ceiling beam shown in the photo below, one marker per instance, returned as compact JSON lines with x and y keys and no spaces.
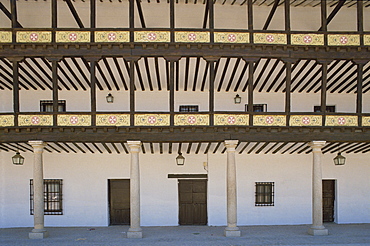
{"x":74,"y":13}
{"x":271,"y":14}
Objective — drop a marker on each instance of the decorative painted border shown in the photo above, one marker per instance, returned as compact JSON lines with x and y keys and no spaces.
{"x":152,"y":119}
{"x":35,"y":120}
{"x":341,"y":120}
{"x":231,"y":119}
{"x":6,"y":120}
{"x":5,"y":37}
{"x":191,"y":120}
{"x":73,"y":37}
{"x":33,"y":37}
{"x":270,"y":38}
{"x":192,"y":37}
{"x":367,"y":39}
{"x":155,"y":36}
{"x":112,"y":36}
{"x":343,"y":39}
{"x":365,"y":120}
{"x":269,"y":120}
{"x":307,"y":39}
{"x":305,"y":120}
{"x":231,"y":37}
{"x":113,"y":120}
{"x":74,"y":120}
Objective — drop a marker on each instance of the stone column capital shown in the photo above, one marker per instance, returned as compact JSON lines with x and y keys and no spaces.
{"x":230,"y":144}
{"x":37,"y":145}
{"x":134,"y":146}
{"x":316,"y":145}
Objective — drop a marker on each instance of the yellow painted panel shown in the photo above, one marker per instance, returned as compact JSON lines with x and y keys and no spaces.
{"x":307,"y":39}
{"x":5,"y":37}
{"x":270,"y":38}
{"x":152,"y":36}
{"x":152,"y":119}
{"x":341,"y":120}
{"x":343,"y":39}
{"x":192,"y":37}
{"x":74,"y":120}
{"x":113,"y":120}
{"x":33,"y":37}
{"x":231,"y":119}
{"x":6,"y":120}
{"x":305,"y":120}
{"x":231,"y":37}
{"x":72,"y":37}
{"x":35,"y":120}
{"x":365,"y":120}
{"x":191,"y":120}
{"x":112,"y":36}
{"x":269,"y":120}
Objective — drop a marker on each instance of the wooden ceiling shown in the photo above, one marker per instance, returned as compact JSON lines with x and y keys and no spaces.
{"x":191,"y":148}
{"x":191,"y":74}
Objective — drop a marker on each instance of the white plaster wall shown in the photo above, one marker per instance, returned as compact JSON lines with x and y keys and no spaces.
{"x":35,"y":14}
{"x":85,"y":192}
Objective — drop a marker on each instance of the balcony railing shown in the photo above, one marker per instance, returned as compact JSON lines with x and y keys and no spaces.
{"x":160,"y":119}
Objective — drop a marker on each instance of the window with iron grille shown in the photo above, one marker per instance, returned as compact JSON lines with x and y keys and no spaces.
{"x":189,"y":108}
{"x":257,"y":107}
{"x":264,"y":194}
{"x":329,"y":108}
{"x":52,"y":197}
{"x":47,"y":106}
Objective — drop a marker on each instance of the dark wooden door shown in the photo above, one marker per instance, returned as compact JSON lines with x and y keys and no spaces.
{"x":328,"y":198}
{"x":119,"y":201}
{"x":193,"y":202}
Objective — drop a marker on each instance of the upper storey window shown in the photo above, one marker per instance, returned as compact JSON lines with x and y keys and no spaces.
{"x":47,"y":106}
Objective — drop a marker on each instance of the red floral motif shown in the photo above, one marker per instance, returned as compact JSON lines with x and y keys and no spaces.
{"x":231,"y":120}
{"x":192,"y":36}
{"x":343,"y":40}
{"x":231,"y":37}
{"x":152,"y":119}
{"x":269,"y":119}
{"x":306,"y":120}
{"x":270,"y":38}
{"x":307,"y":39}
{"x":192,"y":119}
{"x":34,"y":36}
{"x":112,"y":36}
{"x":73,"y":36}
{"x":152,"y":36}
{"x":73,"y":120}
{"x":35,"y":120}
{"x":341,"y":121}
{"x":112,"y":119}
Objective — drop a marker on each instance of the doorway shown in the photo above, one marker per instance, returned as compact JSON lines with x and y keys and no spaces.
{"x":328,"y":199}
{"x":193,"y":202}
{"x":119,"y":201}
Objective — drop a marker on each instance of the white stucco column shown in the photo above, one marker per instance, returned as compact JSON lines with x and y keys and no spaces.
{"x":134,"y":231}
{"x":231,"y":230}
{"x":38,"y":231}
{"x":317,"y":228}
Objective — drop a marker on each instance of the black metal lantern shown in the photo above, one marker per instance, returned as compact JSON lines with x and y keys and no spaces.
{"x":237,"y":99}
{"x":339,"y":159}
{"x":109,"y":98}
{"x":180,"y":160}
{"x":18,"y":159}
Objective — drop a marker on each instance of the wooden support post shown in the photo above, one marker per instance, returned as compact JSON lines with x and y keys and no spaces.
{"x":287,"y":19}
{"x":92,"y":18}
{"x":54,"y":18}
{"x":16,"y":105}
{"x":131,"y":19}
{"x":211,"y":19}
{"x":211,"y":90}
{"x":250,"y":20}
{"x":172,"y":61}
{"x":54,"y":75}
{"x":288,"y":65}
{"x":324,"y":26}
{"x":360,"y":73}
{"x":93,"y":90}
{"x":360,"y":20}
{"x":323,"y":90}
{"x":132,"y":61}
{"x":250,"y":91}
{"x":172,"y":20}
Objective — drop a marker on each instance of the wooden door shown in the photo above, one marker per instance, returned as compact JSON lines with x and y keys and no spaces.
{"x":328,"y":198}
{"x":193,"y":202}
{"x":119,"y":201}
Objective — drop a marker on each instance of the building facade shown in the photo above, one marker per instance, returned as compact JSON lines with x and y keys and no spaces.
{"x":103,"y":98}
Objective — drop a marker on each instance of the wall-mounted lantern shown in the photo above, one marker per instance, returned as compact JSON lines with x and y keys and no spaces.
{"x":339,"y":159}
{"x":180,"y":160}
{"x":18,"y":159}
{"x":109,"y":98}
{"x":237,"y":99}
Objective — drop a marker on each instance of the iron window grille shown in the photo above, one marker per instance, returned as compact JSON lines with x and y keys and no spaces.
{"x":189,"y":108}
{"x":47,"y":106}
{"x":329,"y":109}
{"x":264,"y":194}
{"x":257,"y":107}
{"x":53,"y":197}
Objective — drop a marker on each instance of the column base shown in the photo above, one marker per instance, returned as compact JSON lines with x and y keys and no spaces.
{"x":38,"y":235}
{"x":135,"y":233}
{"x":318,"y":232}
{"x":232,"y":232}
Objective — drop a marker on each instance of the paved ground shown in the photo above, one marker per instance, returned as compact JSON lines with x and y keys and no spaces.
{"x":354,"y":234}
